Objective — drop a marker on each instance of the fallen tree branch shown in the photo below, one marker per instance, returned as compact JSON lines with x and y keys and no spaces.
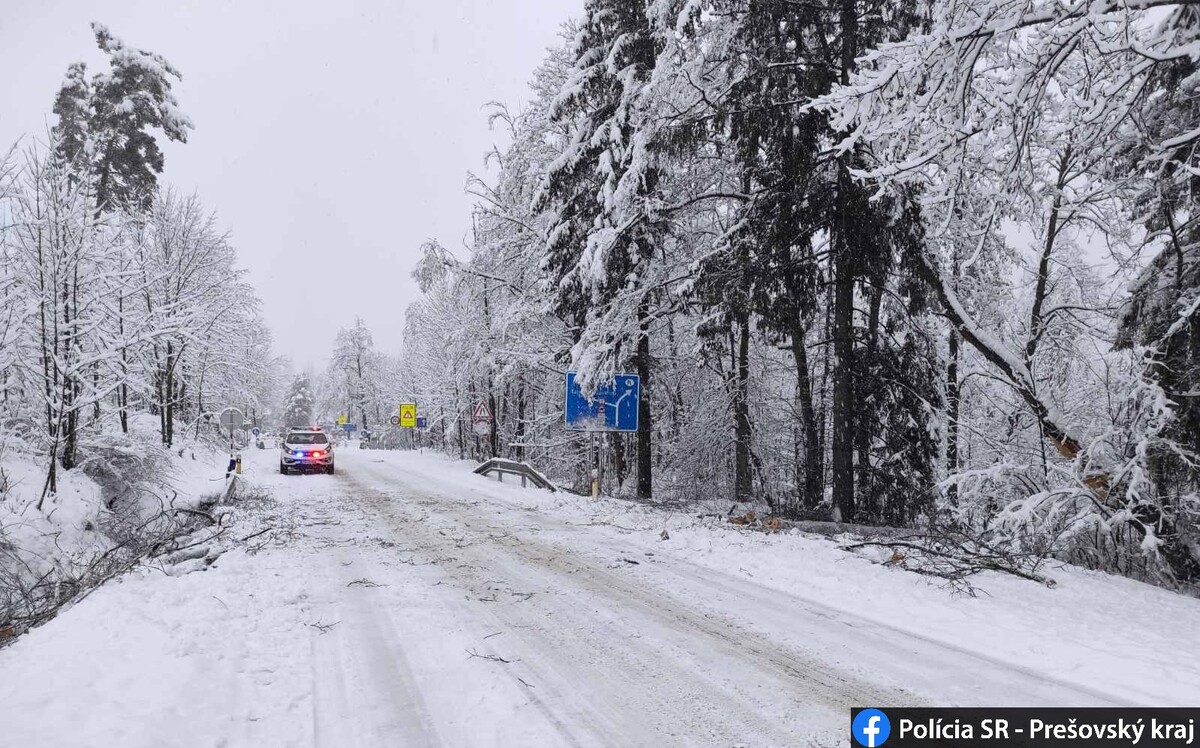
{"x":952,"y":557}
{"x":492,"y":657}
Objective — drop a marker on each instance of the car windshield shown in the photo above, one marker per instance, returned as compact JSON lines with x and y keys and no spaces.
{"x":307,"y":439}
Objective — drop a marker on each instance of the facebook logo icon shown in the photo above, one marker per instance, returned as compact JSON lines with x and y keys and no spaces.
{"x":871,"y":728}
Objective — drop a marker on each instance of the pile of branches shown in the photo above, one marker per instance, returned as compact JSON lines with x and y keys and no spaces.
{"x":955,"y":553}
{"x":176,"y":539}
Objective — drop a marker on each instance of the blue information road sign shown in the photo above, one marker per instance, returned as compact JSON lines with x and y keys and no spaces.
{"x":614,"y":407}
{"x":422,"y":422}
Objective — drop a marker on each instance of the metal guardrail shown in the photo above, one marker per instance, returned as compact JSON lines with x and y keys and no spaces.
{"x":502,"y":467}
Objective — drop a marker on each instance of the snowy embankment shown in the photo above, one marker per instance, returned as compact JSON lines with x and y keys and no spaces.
{"x":126,"y":489}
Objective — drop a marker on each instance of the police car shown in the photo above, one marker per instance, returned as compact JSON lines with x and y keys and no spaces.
{"x":306,"y":450}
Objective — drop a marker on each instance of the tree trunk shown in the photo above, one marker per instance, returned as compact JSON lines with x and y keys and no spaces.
{"x":811,"y":488}
{"x":645,"y":459}
{"x":168,"y":407}
{"x":123,"y":403}
{"x":843,"y":415}
{"x":842,"y":457}
{"x":519,"y":450}
{"x":494,"y":436}
{"x":952,"y":415}
{"x":1036,"y":322}
{"x":95,"y":389}
{"x":462,"y":439}
{"x":743,"y":479}
{"x":70,"y":389}
{"x":865,"y":419}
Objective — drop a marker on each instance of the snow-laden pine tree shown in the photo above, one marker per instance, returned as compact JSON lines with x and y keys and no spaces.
{"x":1161,"y":319}
{"x":602,"y":239}
{"x":106,"y":124}
{"x":298,"y":404}
{"x":794,"y":188}
{"x":806,"y":227}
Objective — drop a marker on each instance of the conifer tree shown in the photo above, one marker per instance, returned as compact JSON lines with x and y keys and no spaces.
{"x":298,"y":405}
{"x":108,"y":122}
{"x":601,"y":239}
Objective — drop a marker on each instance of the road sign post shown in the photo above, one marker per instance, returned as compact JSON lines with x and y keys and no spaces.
{"x":595,"y":465}
{"x":612,"y":407}
{"x":231,"y":419}
{"x":482,"y":422}
{"x":481,"y":419}
{"x":408,"y":415}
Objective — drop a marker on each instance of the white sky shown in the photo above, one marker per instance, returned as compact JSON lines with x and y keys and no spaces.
{"x":331,"y":138}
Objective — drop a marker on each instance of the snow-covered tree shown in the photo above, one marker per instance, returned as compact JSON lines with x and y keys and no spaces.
{"x":1034,"y":114}
{"x":298,"y":403}
{"x":603,"y":238}
{"x":875,"y":256}
{"x":105,"y":123}
{"x":354,"y":374}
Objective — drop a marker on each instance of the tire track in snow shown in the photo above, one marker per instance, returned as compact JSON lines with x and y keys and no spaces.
{"x":913,"y":663}
{"x":692,"y":679}
{"x":364,"y":690}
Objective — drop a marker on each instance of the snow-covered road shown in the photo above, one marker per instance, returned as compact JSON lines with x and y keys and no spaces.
{"x":407,"y":602}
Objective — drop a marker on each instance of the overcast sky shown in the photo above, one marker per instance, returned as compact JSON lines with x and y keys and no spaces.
{"x":331,"y":137}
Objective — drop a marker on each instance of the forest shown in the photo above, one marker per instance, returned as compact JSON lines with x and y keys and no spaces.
{"x":119,"y":298}
{"x":928,"y":263}
{"x":126,"y":324}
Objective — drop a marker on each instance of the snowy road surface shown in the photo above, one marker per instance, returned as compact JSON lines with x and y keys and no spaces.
{"x":406,"y":602}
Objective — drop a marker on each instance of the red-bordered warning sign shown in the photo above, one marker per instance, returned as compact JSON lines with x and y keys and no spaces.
{"x":480,"y":413}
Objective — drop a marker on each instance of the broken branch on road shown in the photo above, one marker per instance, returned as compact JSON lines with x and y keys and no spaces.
{"x":492,"y":657}
{"x":364,"y":582}
{"x":324,"y":628}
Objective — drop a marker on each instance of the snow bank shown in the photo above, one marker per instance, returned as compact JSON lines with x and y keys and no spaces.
{"x":121,"y":483}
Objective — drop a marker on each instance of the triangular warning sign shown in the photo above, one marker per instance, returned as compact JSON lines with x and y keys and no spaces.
{"x":481,"y":413}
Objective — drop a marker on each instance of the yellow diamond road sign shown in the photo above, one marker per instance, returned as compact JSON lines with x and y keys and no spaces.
{"x":408,"y":415}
